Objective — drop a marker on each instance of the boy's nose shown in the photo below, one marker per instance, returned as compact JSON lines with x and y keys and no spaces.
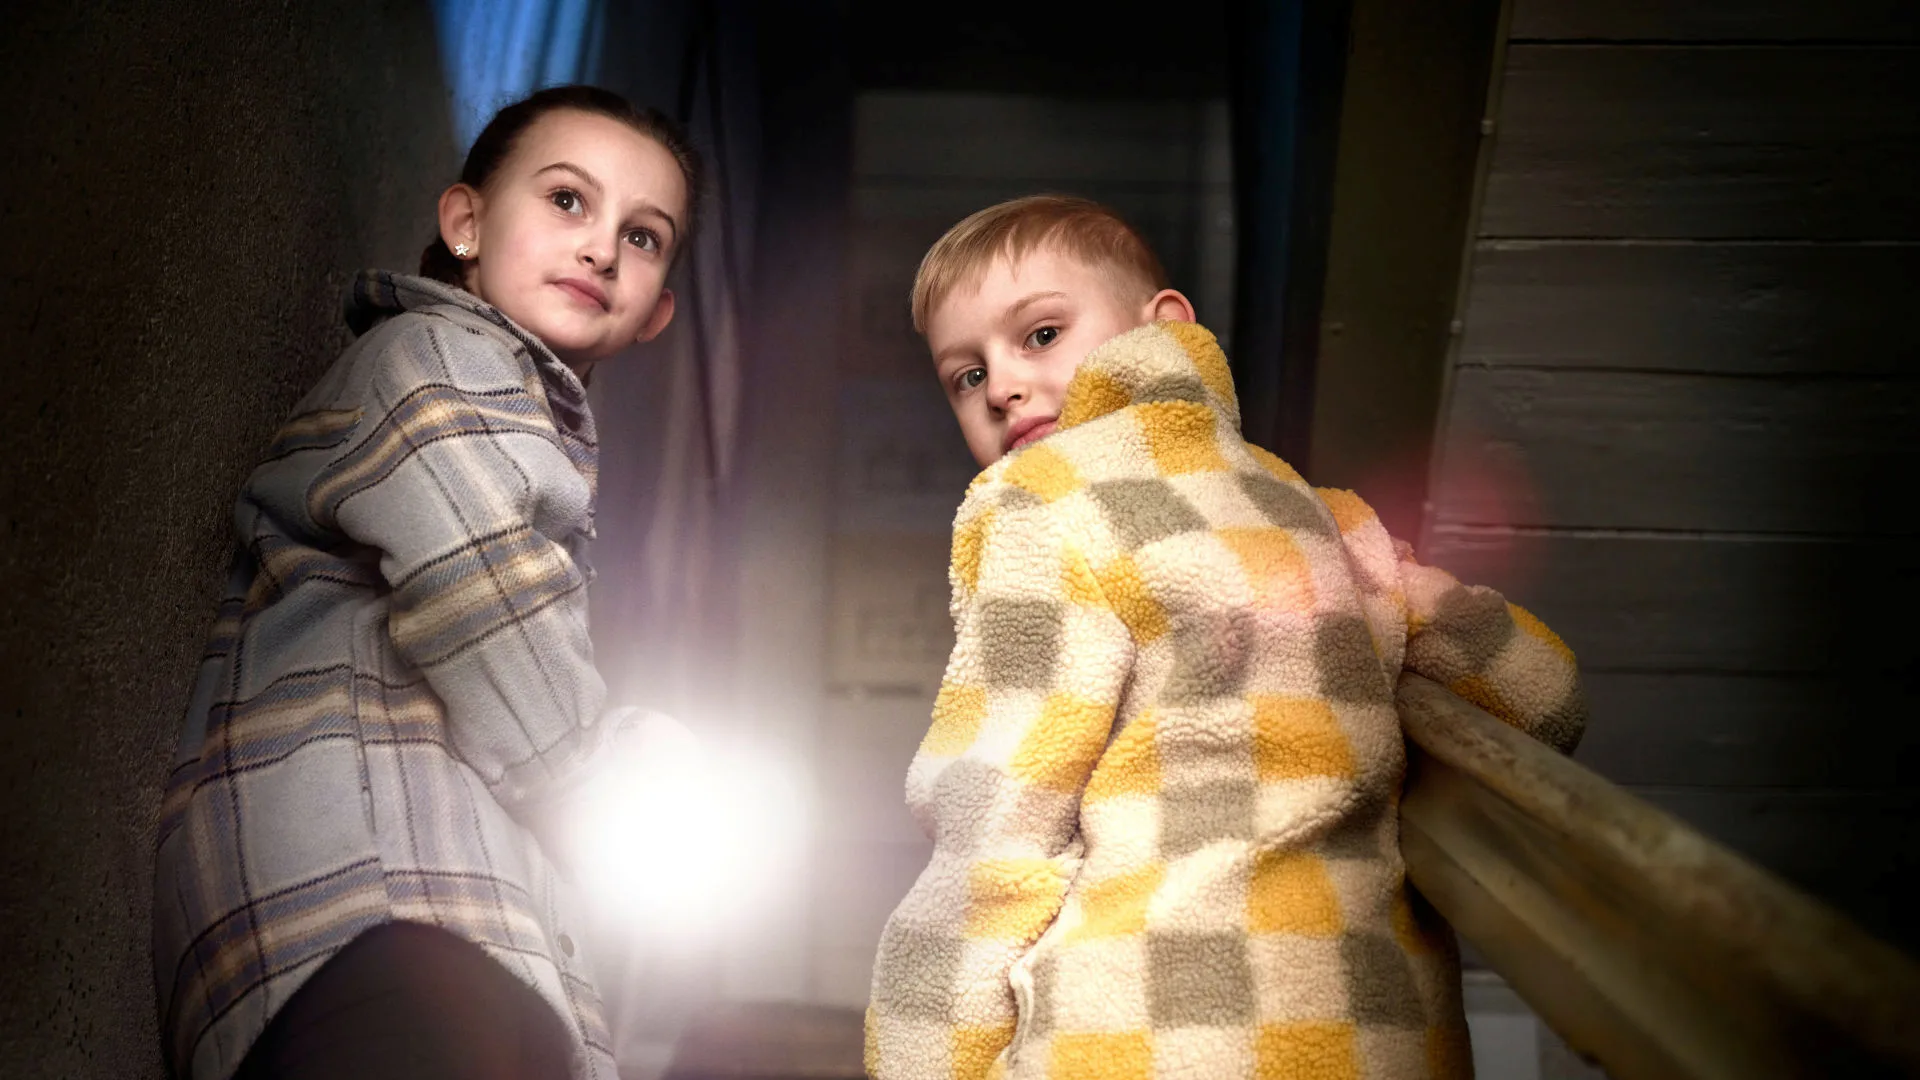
{"x":1004,"y":389}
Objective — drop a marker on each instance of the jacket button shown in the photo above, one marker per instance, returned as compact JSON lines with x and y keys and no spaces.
{"x":566,"y":945}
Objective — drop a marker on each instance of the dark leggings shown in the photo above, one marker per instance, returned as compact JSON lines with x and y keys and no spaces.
{"x":414,"y":1001}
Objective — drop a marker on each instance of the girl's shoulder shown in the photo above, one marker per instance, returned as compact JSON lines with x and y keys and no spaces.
{"x":436,"y":345}
{"x":417,"y":323}
{"x":403,"y":305}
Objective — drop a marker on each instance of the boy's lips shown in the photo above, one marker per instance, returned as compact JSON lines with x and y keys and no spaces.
{"x":584,"y":289}
{"x":1031,"y":429}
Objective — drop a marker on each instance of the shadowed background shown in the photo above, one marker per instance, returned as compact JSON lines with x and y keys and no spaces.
{"x":1607,"y":308}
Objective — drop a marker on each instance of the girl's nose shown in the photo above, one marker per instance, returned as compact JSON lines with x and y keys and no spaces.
{"x":598,"y":255}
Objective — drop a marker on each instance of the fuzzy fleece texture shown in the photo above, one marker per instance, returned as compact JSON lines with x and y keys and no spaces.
{"x":1163,"y":773}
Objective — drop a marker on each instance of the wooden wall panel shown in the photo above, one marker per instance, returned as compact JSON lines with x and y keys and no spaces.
{"x":1756,"y":309}
{"x":1685,"y":729}
{"x":1675,"y":603}
{"x":1716,"y":20}
{"x":1680,"y":422}
{"x":1706,"y":143}
{"x":1643,"y":451}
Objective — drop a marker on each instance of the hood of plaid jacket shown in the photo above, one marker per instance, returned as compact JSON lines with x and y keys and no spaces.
{"x":1164,"y":361}
{"x":377,"y":295}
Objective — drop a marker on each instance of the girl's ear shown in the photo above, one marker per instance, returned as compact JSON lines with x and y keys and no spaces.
{"x":460,"y":218}
{"x":662,"y":315}
{"x":1169,"y":305}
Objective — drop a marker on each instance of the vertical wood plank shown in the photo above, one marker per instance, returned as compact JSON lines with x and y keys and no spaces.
{"x":1416,"y":86}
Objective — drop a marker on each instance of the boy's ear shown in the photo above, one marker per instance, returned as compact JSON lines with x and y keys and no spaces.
{"x":460,"y":217}
{"x":662,"y":315}
{"x":1169,"y":305}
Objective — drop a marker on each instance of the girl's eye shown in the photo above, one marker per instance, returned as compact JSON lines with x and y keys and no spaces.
{"x":568,"y":201}
{"x":1042,"y":337}
{"x":644,"y":239}
{"x":971,"y":378}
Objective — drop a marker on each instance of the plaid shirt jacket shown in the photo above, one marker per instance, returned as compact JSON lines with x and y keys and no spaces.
{"x":399,"y":685}
{"x":1163,"y":773}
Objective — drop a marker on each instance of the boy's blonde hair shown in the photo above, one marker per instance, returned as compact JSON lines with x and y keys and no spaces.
{"x":1078,"y":227}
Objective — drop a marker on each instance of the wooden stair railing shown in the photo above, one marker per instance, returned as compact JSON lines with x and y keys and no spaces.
{"x":1647,"y":946}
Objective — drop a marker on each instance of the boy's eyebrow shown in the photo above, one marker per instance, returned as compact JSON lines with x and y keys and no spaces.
{"x":1021,"y":304}
{"x":587,"y":178}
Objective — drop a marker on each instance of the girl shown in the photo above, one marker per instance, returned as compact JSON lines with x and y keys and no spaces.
{"x":399,"y":694}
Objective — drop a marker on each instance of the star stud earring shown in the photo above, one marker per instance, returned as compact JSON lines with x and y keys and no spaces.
{"x":460,"y":251}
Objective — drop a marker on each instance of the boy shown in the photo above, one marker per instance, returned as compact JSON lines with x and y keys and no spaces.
{"x":1163,"y":773}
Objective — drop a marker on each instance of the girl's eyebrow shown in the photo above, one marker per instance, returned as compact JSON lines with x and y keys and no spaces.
{"x":672,"y":225}
{"x":568,"y":166}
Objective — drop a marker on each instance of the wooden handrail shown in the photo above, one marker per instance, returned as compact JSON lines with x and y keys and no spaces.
{"x":1645,"y":945}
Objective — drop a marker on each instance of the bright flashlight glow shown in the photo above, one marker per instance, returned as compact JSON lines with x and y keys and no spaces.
{"x":678,"y":835}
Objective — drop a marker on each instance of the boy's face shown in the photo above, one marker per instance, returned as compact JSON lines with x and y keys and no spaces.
{"x":1006,"y":351}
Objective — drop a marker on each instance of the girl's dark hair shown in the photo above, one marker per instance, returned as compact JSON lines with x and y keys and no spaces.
{"x":497,"y":140}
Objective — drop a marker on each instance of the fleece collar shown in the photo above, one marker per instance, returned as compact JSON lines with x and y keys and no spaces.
{"x":1165,"y":361}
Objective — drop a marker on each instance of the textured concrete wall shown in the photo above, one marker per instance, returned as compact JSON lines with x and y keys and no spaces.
{"x":184,"y":187}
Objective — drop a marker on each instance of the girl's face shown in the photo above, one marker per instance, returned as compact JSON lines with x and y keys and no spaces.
{"x":573,"y":234}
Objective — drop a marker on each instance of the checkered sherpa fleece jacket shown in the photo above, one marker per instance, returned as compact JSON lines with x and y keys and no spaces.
{"x":1163,"y":771}
{"x":399,"y":681}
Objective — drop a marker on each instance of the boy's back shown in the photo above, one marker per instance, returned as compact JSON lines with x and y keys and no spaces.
{"x":1163,"y":773}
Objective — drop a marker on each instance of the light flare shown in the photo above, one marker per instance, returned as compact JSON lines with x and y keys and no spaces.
{"x":678,"y":834}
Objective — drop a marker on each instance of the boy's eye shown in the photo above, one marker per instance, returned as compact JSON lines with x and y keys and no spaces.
{"x":971,"y":378}
{"x":644,"y":239}
{"x":568,"y":200}
{"x":1042,"y":337}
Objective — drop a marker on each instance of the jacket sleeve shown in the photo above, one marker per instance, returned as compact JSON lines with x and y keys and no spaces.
{"x":1023,"y":714}
{"x":458,"y":480}
{"x":1468,"y":638}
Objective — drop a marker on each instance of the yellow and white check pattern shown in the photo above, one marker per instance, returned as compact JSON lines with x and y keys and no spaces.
{"x":1163,"y":773}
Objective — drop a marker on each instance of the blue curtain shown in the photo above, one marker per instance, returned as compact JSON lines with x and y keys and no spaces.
{"x":498,"y":51}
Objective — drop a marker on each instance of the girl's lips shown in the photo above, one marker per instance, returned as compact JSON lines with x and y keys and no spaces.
{"x":1027,"y":431}
{"x":584,"y":290}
